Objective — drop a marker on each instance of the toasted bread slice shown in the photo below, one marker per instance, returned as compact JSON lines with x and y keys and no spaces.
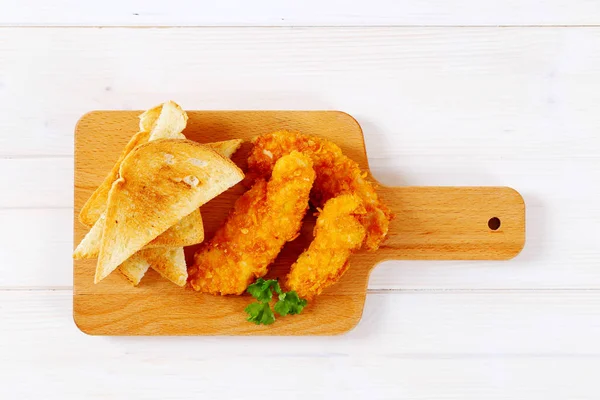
{"x":135,"y":267}
{"x":149,"y":117}
{"x":165,"y":121}
{"x":159,"y":183}
{"x":96,"y":204}
{"x":187,"y":232}
{"x":169,"y":262}
{"x":170,"y":267}
{"x":169,"y":124}
{"x":226,"y":148}
{"x":90,"y":244}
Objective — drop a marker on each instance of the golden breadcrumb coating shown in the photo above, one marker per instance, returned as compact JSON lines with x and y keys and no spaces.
{"x":262,"y":221}
{"x":336,"y":174}
{"x":337,"y":233}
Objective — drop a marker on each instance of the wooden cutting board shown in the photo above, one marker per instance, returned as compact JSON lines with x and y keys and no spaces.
{"x":432,"y":223}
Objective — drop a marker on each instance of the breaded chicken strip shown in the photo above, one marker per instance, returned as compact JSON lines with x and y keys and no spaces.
{"x":337,"y":233}
{"x":263,"y":219}
{"x":336,"y":174}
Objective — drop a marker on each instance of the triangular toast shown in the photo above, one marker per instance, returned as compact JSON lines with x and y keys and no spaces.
{"x":159,"y":183}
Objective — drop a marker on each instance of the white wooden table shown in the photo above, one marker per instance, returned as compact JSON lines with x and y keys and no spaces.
{"x":466,"y":92}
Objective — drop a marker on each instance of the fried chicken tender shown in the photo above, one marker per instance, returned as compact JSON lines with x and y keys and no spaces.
{"x":336,"y":174}
{"x":337,"y":233}
{"x":262,"y":221}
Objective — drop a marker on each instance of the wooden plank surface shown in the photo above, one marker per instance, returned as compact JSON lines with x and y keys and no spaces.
{"x":497,"y":86}
{"x":47,"y":177}
{"x":496,"y":345}
{"x":498,"y":72}
{"x":307,"y":13}
{"x":430,"y":223}
{"x":448,"y":323}
{"x":525,"y":94}
{"x":524,"y":99}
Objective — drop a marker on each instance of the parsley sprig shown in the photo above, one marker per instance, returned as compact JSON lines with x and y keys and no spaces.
{"x":260,"y":311}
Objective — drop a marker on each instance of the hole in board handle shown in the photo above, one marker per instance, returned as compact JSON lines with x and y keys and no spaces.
{"x":494,"y":223}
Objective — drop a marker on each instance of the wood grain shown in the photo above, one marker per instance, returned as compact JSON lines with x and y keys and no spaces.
{"x":439,"y":106}
{"x":492,"y":345}
{"x":417,"y":130}
{"x":431,"y":223}
{"x":306,"y":13}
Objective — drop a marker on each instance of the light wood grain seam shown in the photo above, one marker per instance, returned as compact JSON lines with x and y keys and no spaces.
{"x":369,"y":291}
{"x":390,"y":26}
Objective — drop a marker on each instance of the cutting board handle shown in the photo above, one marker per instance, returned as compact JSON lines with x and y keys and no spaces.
{"x":453,"y":223}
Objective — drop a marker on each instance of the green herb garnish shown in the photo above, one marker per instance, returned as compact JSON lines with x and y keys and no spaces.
{"x":289,"y":303}
{"x":262,"y":290}
{"x":260,"y":313}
